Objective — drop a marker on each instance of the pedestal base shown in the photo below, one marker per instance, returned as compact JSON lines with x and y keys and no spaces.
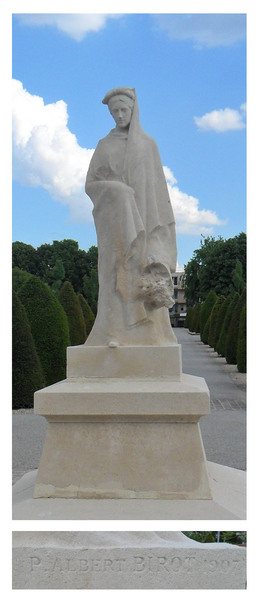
{"x":112,"y":438}
{"x":124,"y":560}
{"x":227,"y":485}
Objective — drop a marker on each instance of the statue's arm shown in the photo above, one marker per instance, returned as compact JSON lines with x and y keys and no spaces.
{"x":113,"y":185}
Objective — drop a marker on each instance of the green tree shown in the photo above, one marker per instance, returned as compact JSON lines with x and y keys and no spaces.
{"x":195,"y":321}
{"x":204,"y":336}
{"x":24,"y":256}
{"x":191,"y":281}
{"x":221,"y":343}
{"x":238,"y":282}
{"x":198,"y":314}
{"x":188,"y":317}
{"x":58,"y":274}
{"x":212,"y":265}
{"x":213,"y":320}
{"x":241,"y":343}
{"x":70,"y":302}
{"x":76,"y":262}
{"x":18,"y":278}
{"x":235,"y":537}
{"x":41,"y":262}
{"x":218,"y":264}
{"x":206,"y":309}
{"x":92,"y":258}
{"x":232,"y":335}
{"x":220,"y":319}
{"x":27,"y":373}
{"x":87,"y":314}
{"x":66,"y":251}
{"x":49,"y":327}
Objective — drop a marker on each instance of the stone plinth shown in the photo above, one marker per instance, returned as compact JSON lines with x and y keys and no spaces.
{"x":228,"y":488}
{"x":124,"y":560}
{"x":124,"y":362}
{"x":117,"y":435}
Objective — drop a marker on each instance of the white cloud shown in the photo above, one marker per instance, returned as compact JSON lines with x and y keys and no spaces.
{"x":190,"y":220}
{"x":171,"y":180}
{"x":46,"y":154}
{"x":205,"y":30}
{"x":77,"y":26}
{"x":222,"y":120}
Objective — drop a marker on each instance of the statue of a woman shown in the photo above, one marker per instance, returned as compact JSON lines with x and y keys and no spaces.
{"x":135,"y":231}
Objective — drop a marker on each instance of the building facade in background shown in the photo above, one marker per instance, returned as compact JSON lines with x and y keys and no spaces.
{"x":179,"y":309}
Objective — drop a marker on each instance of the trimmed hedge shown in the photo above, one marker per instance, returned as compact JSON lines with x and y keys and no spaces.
{"x":27,"y":373}
{"x":188,"y":317}
{"x":206,"y":312}
{"x":71,"y":304}
{"x":88,"y":315}
{"x":49,"y":327}
{"x":221,"y":343}
{"x":19,"y":277}
{"x":195,"y":319}
{"x":213,"y":320}
{"x":241,"y":344}
{"x":205,"y":334}
{"x":220,"y":320}
{"x":232,"y":335}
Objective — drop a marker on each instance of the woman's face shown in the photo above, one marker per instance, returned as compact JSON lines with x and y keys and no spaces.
{"x":121,"y":113}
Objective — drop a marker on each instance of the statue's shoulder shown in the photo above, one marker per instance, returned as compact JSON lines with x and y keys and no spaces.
{"x":150,"y":143}
{"x":106,"y":140}
{"x":102,"y":145}
{"x":103,"y":140}
{"x":149,"y":139}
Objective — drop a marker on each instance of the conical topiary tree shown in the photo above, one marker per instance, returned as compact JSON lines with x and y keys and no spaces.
{"x":27,"y":373}
{"x":241,"y":343}
{"x":220,"y":319}
{"x":87,"y":314}
{"x":71,"y":304}
{"x":191,"y":319}
{"x":205,"y":334}
{"x":206,"y":311}
{"x":221,"y":343}
{"x":232,"y":335}
{"x":213,"y":320}
{"x":18,"y":278}
{"x":195,"y":320}
{"x":49,"y":326}
{"x":188,"y":317}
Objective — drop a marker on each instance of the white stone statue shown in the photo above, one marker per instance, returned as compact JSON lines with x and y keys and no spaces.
{"x":135,"y":231}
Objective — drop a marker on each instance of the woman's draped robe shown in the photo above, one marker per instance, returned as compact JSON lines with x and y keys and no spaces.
{"x":136,"y":240}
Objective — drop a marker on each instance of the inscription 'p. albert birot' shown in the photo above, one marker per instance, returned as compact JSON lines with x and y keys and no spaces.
{"x":75,"y":565}
{"x":135,"y":564}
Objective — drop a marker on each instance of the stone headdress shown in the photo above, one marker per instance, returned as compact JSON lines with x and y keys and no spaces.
{"x":124,"y":93}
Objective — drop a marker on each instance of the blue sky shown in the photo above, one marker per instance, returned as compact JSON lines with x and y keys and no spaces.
{"x":189,"y":71}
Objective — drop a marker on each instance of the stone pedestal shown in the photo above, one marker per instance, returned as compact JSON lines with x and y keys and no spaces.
{"x":124,"y":424}
{"x":124,"y":560}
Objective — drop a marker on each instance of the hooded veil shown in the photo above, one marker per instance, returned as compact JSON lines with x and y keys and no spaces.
{"x":136,"y":236}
